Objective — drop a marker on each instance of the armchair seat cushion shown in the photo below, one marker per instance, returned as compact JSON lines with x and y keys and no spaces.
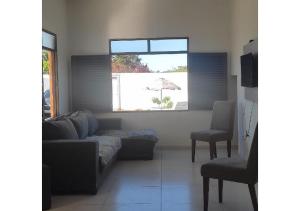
{"x":232,"y":169}
{"x":210,"y":135}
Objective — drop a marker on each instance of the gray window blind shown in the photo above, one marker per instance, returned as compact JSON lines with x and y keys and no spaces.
{"x":91,"y":83}
{"x":207,"y":79}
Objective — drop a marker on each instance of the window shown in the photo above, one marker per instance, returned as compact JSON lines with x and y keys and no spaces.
{"x":168,"y":45}
{"x":49,"y":82}
{"x":149,"y":74}
{"x":125,"y":46}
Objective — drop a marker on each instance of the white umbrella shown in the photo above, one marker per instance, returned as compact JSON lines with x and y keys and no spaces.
{"x":162,"y":83}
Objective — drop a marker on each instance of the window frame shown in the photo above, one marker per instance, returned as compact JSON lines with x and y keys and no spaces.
{"x":149,"y":46}
{"x":149,"y":52}
{"x":55,"y":69}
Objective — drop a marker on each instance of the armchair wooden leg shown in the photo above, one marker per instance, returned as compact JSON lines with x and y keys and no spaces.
{"x":205,"y":192}
{"x":193,"y":150}
{"x":211,"y":150}
{"x":229,"y":148}
{"x":253,"y":196}
{"x":215,"y":150}
{"x":220,"y":184}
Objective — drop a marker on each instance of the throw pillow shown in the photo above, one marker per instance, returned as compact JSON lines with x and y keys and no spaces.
{"x":50,"y":131}
{"x":93,"y":122}
{"x":80,"y":121}
{"x":66,"y":129}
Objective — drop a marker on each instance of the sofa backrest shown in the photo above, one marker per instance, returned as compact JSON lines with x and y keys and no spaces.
{"x":83,"y":122}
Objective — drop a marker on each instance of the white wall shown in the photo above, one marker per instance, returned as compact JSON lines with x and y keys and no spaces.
{"x":244,"y":19}
{"x":55,"y":20}
{"x":94,"y":22}
{"x":206,"y":22}
{"x":244,"y":27}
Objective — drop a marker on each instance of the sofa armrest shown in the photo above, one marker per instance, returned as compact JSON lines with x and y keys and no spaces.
{"x":74,"y":165}
{"x":109,"y":124}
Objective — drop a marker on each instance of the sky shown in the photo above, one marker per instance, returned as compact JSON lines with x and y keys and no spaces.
{"x":163,"y":62}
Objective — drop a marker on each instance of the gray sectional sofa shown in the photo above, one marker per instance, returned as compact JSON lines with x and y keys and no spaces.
{"x":80,"y":150}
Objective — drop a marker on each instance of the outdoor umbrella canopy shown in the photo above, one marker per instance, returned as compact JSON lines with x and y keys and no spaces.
{"x":162,"y":83}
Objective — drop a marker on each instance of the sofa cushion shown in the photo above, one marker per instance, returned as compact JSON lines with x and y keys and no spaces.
{"x":108,"y":146}
{"x":145,"y":134}
{"x":66,"y":129}
{"x":106,"y":153}
{"x":93,"y":123}
{"x":80,"y":121}
{"x":112,"y":141}
{"x":136,"y":144}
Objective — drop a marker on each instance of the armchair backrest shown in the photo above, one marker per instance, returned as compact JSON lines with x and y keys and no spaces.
{"x":223,"y":116}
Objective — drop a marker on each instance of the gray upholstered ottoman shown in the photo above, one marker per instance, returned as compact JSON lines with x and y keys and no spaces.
{"x":136,"y":144}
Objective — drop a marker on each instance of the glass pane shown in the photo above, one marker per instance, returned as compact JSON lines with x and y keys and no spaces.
{"x":48,"y":40}
{"x":125,"y":46}
{"x":168,"y":45}
{"x":46,"y":83}
{"x":150,"y":82}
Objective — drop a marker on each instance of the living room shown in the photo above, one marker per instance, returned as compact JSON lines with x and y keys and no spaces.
{"x":149,"y":105}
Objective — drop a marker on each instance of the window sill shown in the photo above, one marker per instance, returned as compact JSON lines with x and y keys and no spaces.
{"x":155,"y":111}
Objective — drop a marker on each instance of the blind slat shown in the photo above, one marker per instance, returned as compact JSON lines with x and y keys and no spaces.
{"x":91,"y":83}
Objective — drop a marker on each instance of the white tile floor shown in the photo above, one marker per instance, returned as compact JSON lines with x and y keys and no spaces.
{"x":170,"y":182}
